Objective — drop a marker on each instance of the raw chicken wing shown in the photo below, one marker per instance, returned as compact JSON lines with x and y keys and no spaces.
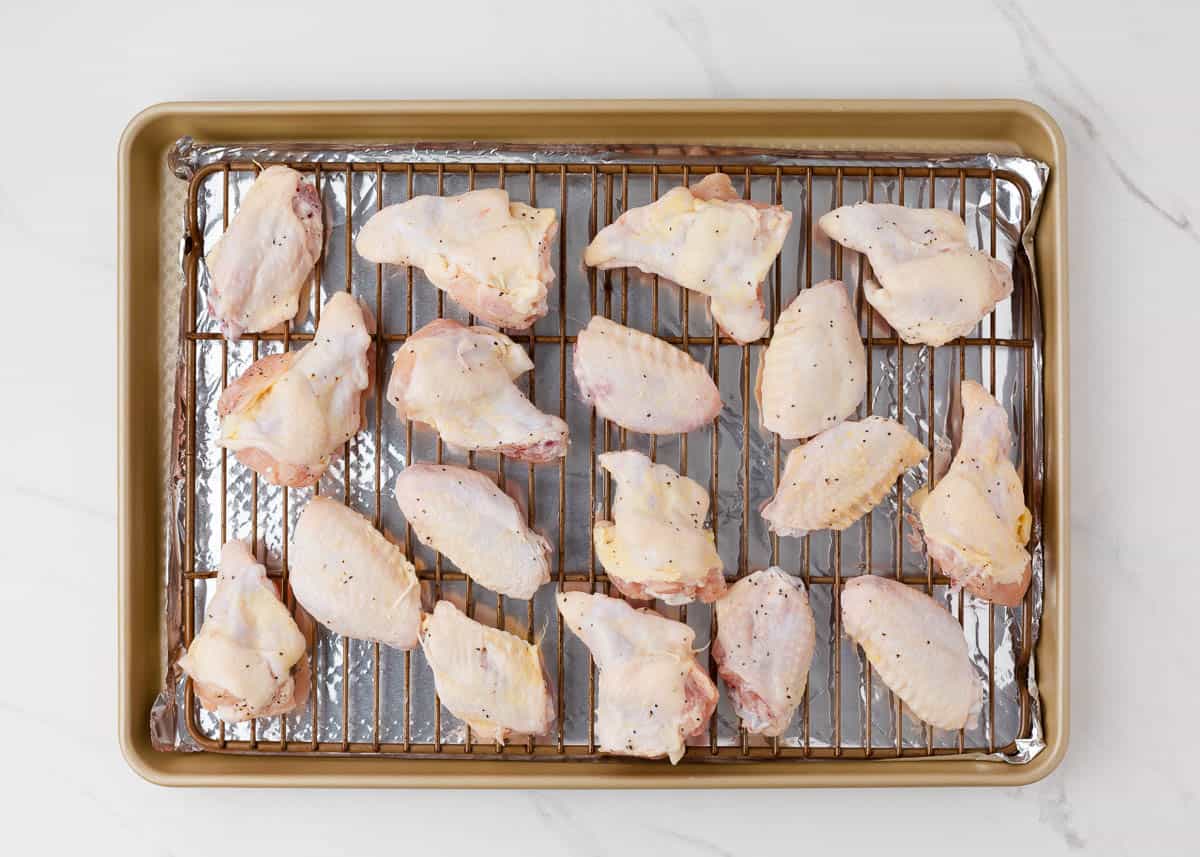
{"x":656,"y":546}
{"x":765,"y":641}
{"x":840,"y":475}
{"x":463,"y":515}
{"x":490,"y":255}
{"x":706,"y":239}
{"x":249,"y":658}
{"x":490,"y":679}
{"x":261,"y":266}
{"x":288,"y":413}
{"x":640,"y":382}
{"x":653,"y":695}
{"x":351,"y":579}
{"x":930,"y":285}
{"x":916,"y":647}
{"x":975,"y":521}
{"x":813,"y":374}
{"x":459,"y":381}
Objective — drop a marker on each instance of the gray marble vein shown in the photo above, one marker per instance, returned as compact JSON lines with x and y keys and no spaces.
{"x":1055,"y":812}
{"x":557,"y":817}
{"x":687,"y":22}
{"x":68,"y":504}
{"x":1055,"y":81}
{"x":691,"y":844}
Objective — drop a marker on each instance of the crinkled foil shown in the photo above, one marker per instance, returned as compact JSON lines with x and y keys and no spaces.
{"x":841,"y":688}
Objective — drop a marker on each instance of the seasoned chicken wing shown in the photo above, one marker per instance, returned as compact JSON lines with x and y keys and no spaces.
{"x":249,"y":658}
{"x":765,"y":641}
{"x":463,"y":515}
{"x":840,"y":475}
{"x":490,"y":255}
{"x":261,"y":266}
{"x":975,"y":520}
{"x":288,"y":413}
{"x":490,"y":679}
{"x":813,"y":374}
{"x":351,"y":579}
{"x":929,"y":284}
{"x":656,"y":546}
{"x":640,"y":382}
{"x":459,"y":381}
{"x":708,"y":240}
{"x":653,"y":695}
{"x":916,"y":647}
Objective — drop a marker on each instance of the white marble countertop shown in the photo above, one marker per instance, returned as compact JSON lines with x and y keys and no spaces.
{"x":1119,"y":77}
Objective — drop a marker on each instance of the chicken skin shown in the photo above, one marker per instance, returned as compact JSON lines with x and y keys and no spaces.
{"x":813,"y":374}
{"x":656,"y":546}
{"x":249,"y":658}
{"x":653,"y":695}
{"x":930,"y":285}
{"x":490,"y":679}
{"x":975,"y":520}
{"x":459,"y":380}
{"x":916,"y":647}
{"x":707,"y":239}
{"x":288,"y":413}
{"x":351,"y":579}
{"x":492,"y":256}
{"x":640,"y":382}
{"x":765,"y":641}
{"x":464,"y":515}
{"x":840,"y":475}
{"x":261,"y":266}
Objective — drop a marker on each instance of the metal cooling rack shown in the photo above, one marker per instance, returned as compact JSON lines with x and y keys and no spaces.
{"x":369,"y":699}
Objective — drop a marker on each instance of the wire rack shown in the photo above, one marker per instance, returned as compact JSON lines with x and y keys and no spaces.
{"x":370,"y":699}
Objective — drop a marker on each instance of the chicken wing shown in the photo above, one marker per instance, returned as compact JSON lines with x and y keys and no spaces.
{"x":490,"y":679}
{"x":463,"y":515}
{"x":249,"y":658}
{"x":490,"y":255}
{"x":288,"y":413}
{"x":930,"y":285}
{"x":653,"y":695}
{"x":351,"y":579}
{"x":261,"y":266}
{"x":813,"y":374}
{"x":765,"y":641}
{"x":916,"y":647}
{"x":656,"y":546}
{"x":975,"y":520}
{"x":640,"y":382}
{"x":840,"y":475}
{"x":706,"y":239}
{"x":459,"y":380}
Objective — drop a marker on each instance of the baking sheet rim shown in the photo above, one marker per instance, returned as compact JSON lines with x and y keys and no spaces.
{"x":140,"y":134}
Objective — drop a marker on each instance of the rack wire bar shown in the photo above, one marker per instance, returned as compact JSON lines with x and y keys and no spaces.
{"x":369,"y":700}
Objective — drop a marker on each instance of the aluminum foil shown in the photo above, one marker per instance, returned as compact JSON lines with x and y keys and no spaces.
{"x":845,"y":706}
